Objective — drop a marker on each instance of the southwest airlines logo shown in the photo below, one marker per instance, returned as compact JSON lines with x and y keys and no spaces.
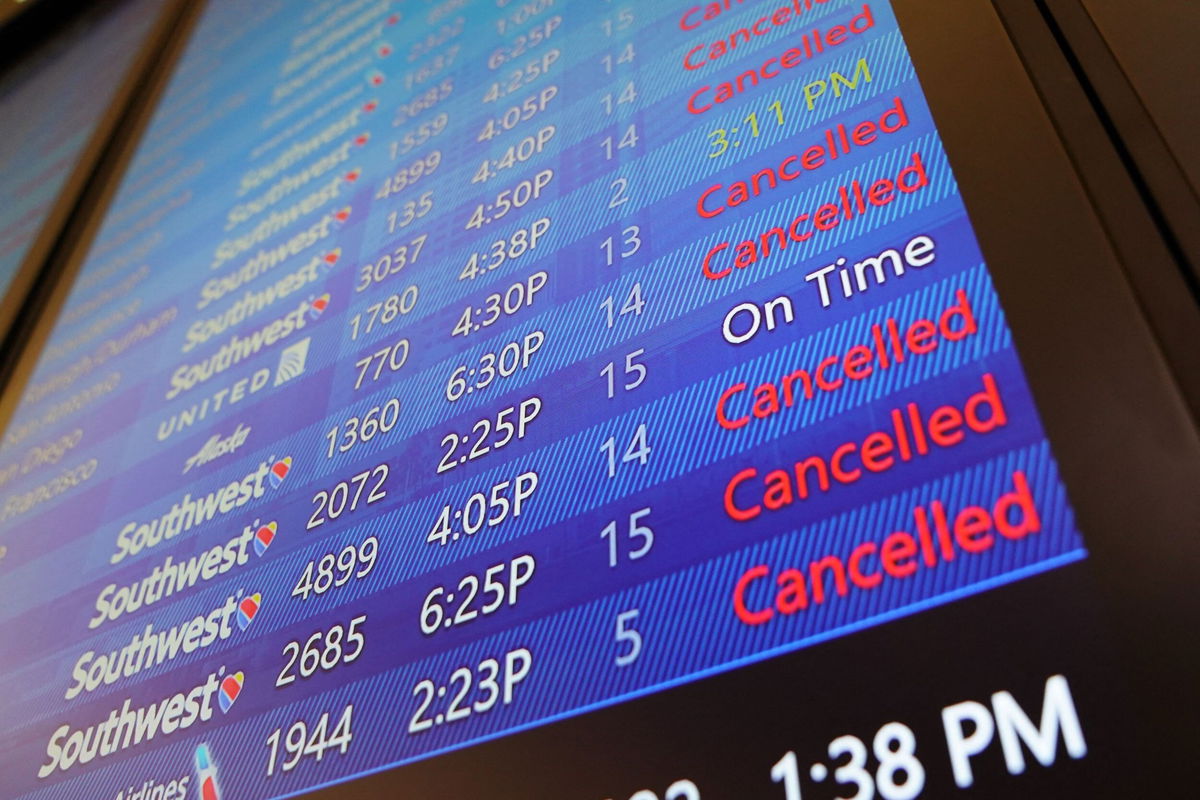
{"x":263,"y":537}
{"x":231,"y":689}
{"x":248,"y":609}
{"x":279,"y":471}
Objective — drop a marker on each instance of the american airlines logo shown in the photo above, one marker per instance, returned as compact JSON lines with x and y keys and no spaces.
{"x":218,"y":446}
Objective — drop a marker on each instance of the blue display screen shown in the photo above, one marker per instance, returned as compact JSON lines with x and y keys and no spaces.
{"x":478,"y":365}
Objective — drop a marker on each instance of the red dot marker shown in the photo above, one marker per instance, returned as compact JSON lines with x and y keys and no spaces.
{"x":370,"y":106}
{"x":362,"y":139}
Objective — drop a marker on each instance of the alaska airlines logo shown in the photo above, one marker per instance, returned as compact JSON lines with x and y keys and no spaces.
{"x":218,"y":446}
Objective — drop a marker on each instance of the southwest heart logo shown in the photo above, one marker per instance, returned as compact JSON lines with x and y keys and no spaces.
{"x":331,"y":258}
{"x":281,"y":468}
{"x":342,"y":215}
{"x":362,"y":139}
{"x":247,"y":609}
{"x":352,"y":175}
{"x":264,"y":536}
{"x":375,"y":78}
{"x":370,"y":106}
{"x":231,"y":687}
{"x":316,"y":308}
{"x":384,"y":50}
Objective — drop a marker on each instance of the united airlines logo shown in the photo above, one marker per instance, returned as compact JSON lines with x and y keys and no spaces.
{"x":292,"y":361}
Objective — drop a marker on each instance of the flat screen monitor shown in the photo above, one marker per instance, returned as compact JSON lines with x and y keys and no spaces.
{"x":608,"y":400}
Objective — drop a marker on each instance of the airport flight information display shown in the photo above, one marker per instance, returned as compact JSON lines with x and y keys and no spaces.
{"x":443,"y":370}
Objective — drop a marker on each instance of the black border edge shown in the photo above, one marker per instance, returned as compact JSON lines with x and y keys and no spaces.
{"x":1154,"y":259}
{"x":1119,"y":426}
{"x":62,"y":244}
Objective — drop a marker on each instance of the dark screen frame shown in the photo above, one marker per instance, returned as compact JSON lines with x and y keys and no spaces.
{"x":36,"y":292}
{"x":1118,"y":424}
{"x":1122,"y":159}
{"x":29,"y":310}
